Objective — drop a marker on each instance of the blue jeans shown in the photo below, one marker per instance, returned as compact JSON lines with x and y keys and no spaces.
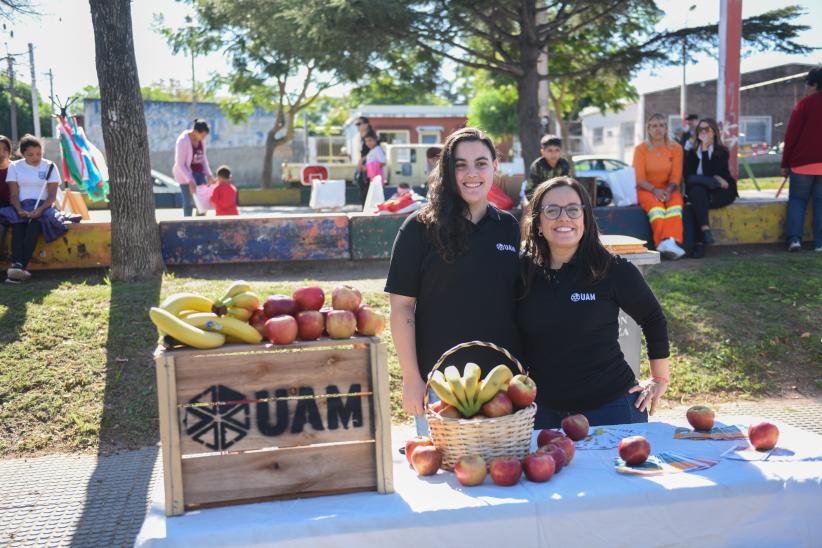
{"x":619,"y":411}
{"x":188,"y":199}
{"x":802,"y":189}
{"x":421,"y":422}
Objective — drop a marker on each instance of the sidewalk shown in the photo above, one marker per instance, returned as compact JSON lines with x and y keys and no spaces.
{"x":87,"y":500}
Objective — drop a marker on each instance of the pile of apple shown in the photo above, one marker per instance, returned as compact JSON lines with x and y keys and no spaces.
{"x":282,"y":319}
{"x":763,"y":436}
{"x":555,"y":451}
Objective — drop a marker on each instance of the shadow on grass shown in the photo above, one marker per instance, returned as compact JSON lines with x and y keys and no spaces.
{"x":129,"y":421}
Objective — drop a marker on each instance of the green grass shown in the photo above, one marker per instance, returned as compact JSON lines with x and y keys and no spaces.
{"x":765,"y":183}
{"x":76,"y":369}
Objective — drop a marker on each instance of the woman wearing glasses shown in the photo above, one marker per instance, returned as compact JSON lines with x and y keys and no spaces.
{"x":573,"y":289}
{"x":708,"y":181}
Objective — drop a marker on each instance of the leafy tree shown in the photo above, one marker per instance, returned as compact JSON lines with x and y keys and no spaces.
{"x":511,"y":35}
{"x":25,"y":120}
{"x":135,"y":237}
{"x":161,"y":90}
{"x":494,"y":109}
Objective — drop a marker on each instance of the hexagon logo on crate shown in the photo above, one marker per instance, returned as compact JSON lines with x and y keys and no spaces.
{"x":217,"y":427}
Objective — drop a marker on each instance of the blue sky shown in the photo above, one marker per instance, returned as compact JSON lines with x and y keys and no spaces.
{"x":64,"y":42}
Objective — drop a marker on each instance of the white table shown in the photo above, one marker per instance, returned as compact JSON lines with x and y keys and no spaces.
{"x":327,"y":194}
{"x":734,"y":503}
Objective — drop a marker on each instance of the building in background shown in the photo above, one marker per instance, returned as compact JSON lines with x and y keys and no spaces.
{"x":612,"y":134}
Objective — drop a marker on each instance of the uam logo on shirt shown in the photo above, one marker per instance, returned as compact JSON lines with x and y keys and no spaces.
{"x":506,"y":247}
{"x":576,"y":297}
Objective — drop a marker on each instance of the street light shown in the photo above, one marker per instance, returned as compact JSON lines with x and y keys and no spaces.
{"x":683,"y":93}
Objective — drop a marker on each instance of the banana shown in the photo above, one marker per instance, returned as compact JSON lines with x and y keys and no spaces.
{"x":493,"y":382}
{"x":441,"y":389}
{"x":470,"y":379}
{"x":186,"y":301}
{"x":243,"y":300}
{"x":242,"y":314}
{"x":235,"y":289}
{"x":452,"y":375}
{"x":169,"y":324}
{"x":230,"y":327}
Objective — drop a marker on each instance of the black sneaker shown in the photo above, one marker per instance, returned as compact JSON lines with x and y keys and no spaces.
{"x":698,"y":251}
{"x":794,"y":245}
{"x":708,"y":237}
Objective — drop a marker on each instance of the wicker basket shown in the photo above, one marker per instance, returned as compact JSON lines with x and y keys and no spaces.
{"x":490,"y":437}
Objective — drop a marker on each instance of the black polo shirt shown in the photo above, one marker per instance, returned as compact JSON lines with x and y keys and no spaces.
{"x":570,"y":333}
{"x":472,"y":298}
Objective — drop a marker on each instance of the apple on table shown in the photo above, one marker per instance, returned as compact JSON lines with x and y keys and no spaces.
{"x":538,"y":466}
{"x":277,"y":305}
{"x":763,"y":436}
{"x":506,"y":471}
{"x":281,"y":329}
{"x":575,"y":426}
{"x":341,"y":324}
{"x":471,"y":470}
{"x":701,"y":417}
{"x":634,"y":450}
{"x":426,"y":460}
{"x":309,"y":298}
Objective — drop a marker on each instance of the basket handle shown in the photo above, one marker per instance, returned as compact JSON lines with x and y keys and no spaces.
{"x":461,"y":346}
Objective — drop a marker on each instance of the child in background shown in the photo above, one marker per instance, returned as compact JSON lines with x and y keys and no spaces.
{"x":402,"y":190}
{"x":375,"y":159}
{"x":224,"y":196}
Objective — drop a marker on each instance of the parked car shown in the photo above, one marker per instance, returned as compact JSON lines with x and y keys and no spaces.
{"x":616,"y":180}
{"x":166,"y":191}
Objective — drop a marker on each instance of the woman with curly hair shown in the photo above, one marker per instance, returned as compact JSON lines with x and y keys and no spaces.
{"x":454,"y":270}
{"x":568,"y":316}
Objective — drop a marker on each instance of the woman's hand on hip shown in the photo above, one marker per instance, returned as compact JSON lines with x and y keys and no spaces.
{"x":413,"y":390}
{"x":649,"y":393}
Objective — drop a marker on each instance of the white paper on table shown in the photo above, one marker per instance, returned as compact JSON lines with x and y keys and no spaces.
{"x":605,"y":437}
{"x":746,"y":453}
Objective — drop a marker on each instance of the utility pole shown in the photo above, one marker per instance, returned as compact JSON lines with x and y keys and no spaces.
{"x":727,"y":85}
{"x":35,"y":107}
{"x":51,"y":99}
{"x":12,"y":99}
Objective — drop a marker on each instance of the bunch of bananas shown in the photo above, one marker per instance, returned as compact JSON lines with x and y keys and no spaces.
{"x":466,"y":392}
{"x":198,"y":322}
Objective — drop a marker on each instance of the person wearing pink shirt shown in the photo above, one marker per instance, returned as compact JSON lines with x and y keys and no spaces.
{"x":191,"y":163}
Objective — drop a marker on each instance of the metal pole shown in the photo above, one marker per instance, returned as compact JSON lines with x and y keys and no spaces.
{"x":193,"y":88}
{"x":51,"y":98}
{"x":683,"y":92}
{"x":727,"y":88}
{"x":35,"y":103}
{"x":12,"y":100}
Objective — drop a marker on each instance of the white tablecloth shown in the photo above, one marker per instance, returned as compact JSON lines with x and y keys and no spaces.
{"x":327,"y":194}
{"x":734,"y":503}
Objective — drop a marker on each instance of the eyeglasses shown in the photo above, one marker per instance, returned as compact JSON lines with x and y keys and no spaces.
{"x":703,"y":129}
{"x":552,"y":212}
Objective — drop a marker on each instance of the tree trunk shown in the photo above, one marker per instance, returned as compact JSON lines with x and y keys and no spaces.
{"x":530,"y":128}
{"x":135,"y":236}
{"x":271,"y":144}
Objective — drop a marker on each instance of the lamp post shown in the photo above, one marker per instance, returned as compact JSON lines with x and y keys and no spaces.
{"x":683,"y":92}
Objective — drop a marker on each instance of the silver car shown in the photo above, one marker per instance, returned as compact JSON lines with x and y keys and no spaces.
{"x":616,"y":180}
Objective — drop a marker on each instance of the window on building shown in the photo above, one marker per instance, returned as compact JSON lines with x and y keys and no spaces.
{"x":674,"y":124}
{"x":429,"y":136}
{"x":754,"y":130}
{"x":598,"y":135}
{"x":394,"y":136}
{"x":627,"y":131}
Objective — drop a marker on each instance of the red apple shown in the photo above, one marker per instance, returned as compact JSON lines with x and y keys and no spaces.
{"x":701,"y":417}
{"x":415,"y":442}
{"x":324,"y":311}
{"x":538,"y":466}
{"x":545,"y":436}
{"x":498,"y":406}
{"x":522,"y":390}
{"x":309,"y":298}
{"x":276,"y":305}
{"x":426,"y":460}
{"x":257,"y":320}
{"x":634,"y":450}
{"x":506,"y":471}
{"x":471,"y":470}
{"x":310,"y":325}
{"x":444,"y":410}
{"x":369,"y":322}
{"x":556,"y":453}
{"x":345,"y":297}
{"x":567,"y":446}
{"x":763,"y":436}
{"x":341,"y":324}
{"x":576,"y":426}
{"x":281,"y":329}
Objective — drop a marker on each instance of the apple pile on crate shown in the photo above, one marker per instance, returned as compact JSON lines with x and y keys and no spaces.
{"x":303,"y":315}
{"x":500,"y":393}
{"x":555,"y":451}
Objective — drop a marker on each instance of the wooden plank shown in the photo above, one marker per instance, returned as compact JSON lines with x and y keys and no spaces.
{"x":324,"y":342}
{"x":169,"y":435}
{"x":382,"y":418}
{"x":246,"y":378}
{"x":258,"y":475}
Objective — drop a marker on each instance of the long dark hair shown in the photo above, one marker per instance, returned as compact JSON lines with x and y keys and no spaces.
{"x":717,"y":135}
{"x":446,"y":213}
{"x":593,"y":256}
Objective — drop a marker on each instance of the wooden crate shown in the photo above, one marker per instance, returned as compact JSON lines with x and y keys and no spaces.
{"x":245,"y":423}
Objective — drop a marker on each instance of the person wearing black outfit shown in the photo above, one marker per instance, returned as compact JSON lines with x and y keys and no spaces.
{"x":687,"y":138}
{"x":360,"y":175}
{"x":708,"y":181}
{"x":573,"y":289}
{"x":454,"y":270}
